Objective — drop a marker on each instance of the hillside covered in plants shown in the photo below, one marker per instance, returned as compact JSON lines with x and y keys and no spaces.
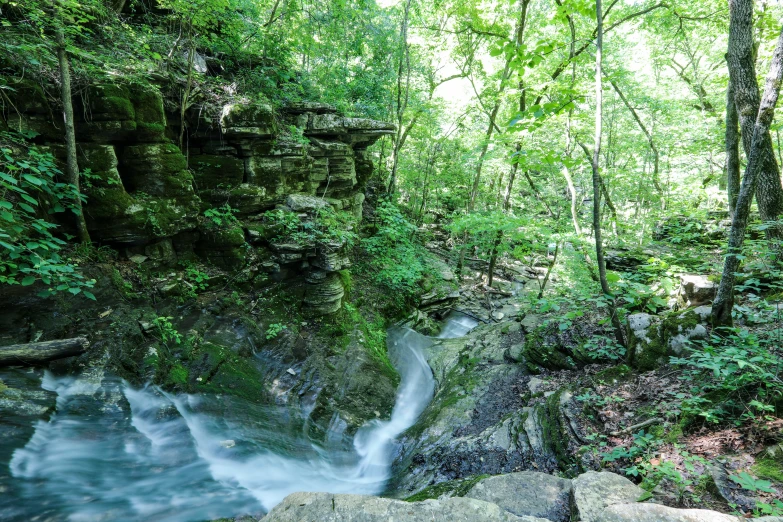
{"x":374,"y":259}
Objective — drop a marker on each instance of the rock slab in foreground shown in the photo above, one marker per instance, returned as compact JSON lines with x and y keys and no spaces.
{"x":658,"y":513}
{"x":326,"y":507}
{"x":528,"y":493}
{"x":595,"y":491}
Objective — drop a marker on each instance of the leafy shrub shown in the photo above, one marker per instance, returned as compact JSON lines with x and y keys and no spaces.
{"x":274,"y":329}
{"x":736,"y":377}
{"x":393,"y":258}
{"x":220,"y":217}
{"x":326,"y":226}
{"x":32,"y":193}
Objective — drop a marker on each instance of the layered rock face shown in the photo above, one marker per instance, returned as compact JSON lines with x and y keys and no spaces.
{"x":147,"y":196}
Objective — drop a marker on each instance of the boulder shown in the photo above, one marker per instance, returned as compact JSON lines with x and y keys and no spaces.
{"x":658,"y":513}
{"x":326,"y":507}
{"x":696,"y":290}
{"x":645,"y":349}
{"x":653,"y":339}
{"x":595,"y":491}
{"x":527,"y":493}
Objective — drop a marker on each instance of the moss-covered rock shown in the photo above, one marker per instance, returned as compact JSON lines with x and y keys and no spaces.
{"x":223,"y":246}
{"x":550,"y":346}
{"x":211,"y":172}
{"x":653,"y":339}
{"x":248,"y":120}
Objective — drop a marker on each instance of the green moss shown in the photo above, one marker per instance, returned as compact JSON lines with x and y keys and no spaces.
{"x":617,"y":373}
{"x":178,"y":374}
{"x":454,"y":488}
{"x":769,"y":467}
{"x":221,"y":370}
{"x":675,"y":323}
{"x":211,"y":172}
{"x":3,"y":387}
{"x":150,"y":117}
{"x":555,"y":433}
{"x":120,"y":108}
{"x":539,"y":353}
{"x":647,"y":355}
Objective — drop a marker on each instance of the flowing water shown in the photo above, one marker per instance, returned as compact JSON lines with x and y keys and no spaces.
{"x":114,"y":452}
{"x":457,"y":324}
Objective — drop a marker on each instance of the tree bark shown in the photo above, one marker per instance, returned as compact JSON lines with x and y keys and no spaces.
{"x":71,"y":165}
{"x":742,"y":75}
{"x":732,"y":150}
{"x":594,"y":163}
{"x":38,"y":353}
{"x":757,"y":162}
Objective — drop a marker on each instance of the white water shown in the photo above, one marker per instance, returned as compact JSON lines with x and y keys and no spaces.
{"x":112,"y":452}
{"x":457,"y":324}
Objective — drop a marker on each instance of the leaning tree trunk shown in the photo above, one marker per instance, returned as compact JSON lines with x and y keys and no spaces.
{"x":742,"y":72}
{"x":594,"y":163}
{"x":732,"y":150}
{"x":71,"y":164}
{"x":724,"y":300}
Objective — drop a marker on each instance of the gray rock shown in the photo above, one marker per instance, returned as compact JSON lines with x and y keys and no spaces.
{"x":658,"y":513}
{"x":704,"y":312}
{"x":326,"y":507}
{"x":594,"y":491}
{"x":304,"y":203}
{"x":696,"y":289}
{"x":527,"y":493}
{"x":731,"y":492}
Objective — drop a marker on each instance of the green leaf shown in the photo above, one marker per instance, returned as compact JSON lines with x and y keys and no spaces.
{"x":30,"y":199}
{"x":27,"y":281}
{"x":89,"y":295}
{"x":34,"y":180}
{"x":74,"y":290}
{"x":26,"y":207}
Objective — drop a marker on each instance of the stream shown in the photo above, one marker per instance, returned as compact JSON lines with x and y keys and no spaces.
{"x":114,"y":452}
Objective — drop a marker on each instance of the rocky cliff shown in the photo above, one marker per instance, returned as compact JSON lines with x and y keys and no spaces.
{"x":147,"y":196}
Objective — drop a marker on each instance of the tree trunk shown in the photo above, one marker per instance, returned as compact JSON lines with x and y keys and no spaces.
{"x":742,"y":73}
{"x":732,"y":151}
{"x":485,"y":146}
{"x":402,"y":101}
{"x":186,"y":93}
{"x":656,"y":158}
{"x":72,"y":165}
{"x":572,"y":192}
{"x":596,"y":157}
{"x":520,"y":34}
{"x":757,"y":161}
{"x":38,"y":353}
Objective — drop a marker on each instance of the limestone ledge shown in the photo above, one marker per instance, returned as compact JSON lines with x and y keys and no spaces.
{"x":145,"y":195}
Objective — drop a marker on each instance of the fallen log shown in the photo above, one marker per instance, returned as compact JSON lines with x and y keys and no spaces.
{"x":629,"y":429}
{"x":37,"y":353}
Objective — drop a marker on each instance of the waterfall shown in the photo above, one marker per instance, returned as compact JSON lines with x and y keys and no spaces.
{"x":114,"y":452}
